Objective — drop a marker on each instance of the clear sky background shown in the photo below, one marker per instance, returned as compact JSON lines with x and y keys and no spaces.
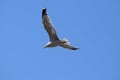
{"x":91,"y":25}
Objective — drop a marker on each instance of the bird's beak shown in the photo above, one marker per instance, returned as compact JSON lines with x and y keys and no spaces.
{"x":44,"y":47}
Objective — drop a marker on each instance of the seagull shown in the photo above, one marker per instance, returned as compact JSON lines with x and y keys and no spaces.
{"x":54,"y":40}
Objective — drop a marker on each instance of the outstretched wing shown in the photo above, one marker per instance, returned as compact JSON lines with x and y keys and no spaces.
{"x":48,"y":26}
{"x":68,"y":46}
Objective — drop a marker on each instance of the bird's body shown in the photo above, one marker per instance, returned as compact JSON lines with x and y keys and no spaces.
{"x":54,"y":40}
{"x":54,"y":43}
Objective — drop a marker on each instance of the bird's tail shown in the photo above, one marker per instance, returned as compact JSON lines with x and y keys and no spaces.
{"x":64,"y":40}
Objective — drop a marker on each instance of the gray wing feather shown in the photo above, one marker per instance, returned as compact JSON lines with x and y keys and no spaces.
{"x":68,"y":46}
{"x":49,"y":28}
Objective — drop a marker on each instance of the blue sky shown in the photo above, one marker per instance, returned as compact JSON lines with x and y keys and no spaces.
{"x":91,"y":25}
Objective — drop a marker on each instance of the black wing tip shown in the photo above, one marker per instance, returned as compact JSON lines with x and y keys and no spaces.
{"x":75,"y":48}
{"x":44,"y":8}
{"x":44,"y":11}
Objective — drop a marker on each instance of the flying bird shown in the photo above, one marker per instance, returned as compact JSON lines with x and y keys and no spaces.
{"x":54,"y":40}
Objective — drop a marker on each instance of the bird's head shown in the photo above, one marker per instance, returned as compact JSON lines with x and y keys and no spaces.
{"x":47,"y":45}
